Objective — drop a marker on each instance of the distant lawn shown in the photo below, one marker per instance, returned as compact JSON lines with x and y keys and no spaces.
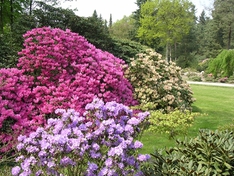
{"x":217,"y":103}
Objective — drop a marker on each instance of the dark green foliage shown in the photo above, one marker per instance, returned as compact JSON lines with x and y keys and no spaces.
{"x":11,"y":42}
{"x":48,"y":15}
{"x":210,"y":153}
{"x":223,"y":15}
{"x":93,"y":29}
{"x":8,"y":51}
{"x":126,"y":49}
{"x":223,"y":64}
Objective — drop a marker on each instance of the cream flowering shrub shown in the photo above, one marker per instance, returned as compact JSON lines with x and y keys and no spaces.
{"x":158,"y":82}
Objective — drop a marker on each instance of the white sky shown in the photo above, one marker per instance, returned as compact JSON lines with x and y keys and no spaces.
{"x":118,"y":8}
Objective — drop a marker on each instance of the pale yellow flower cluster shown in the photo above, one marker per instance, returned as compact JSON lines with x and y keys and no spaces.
{"x":159,"y":82}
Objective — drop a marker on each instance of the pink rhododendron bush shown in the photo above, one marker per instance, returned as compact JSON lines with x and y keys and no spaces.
{"x":17,"y":112}
{"x":158,"y":84}
{"x":57,"y":69}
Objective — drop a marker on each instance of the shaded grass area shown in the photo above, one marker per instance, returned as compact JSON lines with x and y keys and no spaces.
{"x":216,"y":104}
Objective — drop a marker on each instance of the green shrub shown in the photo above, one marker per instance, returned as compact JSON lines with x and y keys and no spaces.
{"x":195,"y":78}
{"x":158,"y":82}
{"x":223,"y":64}
{"x":125,"y":49}
{"x":173,"y":123}
{"x":231,"y":79}
{"x":210,"y":153}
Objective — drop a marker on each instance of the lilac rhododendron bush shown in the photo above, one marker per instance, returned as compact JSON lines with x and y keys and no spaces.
{"x":57,"y":69}
{"x":158,"y":84}
{"x":99,"y":142}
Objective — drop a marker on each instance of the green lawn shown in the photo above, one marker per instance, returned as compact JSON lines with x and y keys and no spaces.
{"x":215,"y":103}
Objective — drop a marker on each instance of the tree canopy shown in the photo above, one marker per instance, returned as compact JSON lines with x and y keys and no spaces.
{"x":165,"y":20}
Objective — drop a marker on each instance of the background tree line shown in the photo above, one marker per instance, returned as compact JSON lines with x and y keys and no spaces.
{"x":168,"y":26}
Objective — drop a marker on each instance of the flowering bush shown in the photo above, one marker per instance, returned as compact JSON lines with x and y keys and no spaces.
{"x":17,"y":112}
{"x":101,"y":142}
{"x":57,"y":69}
{"x":158,"y":82}
{"x":69,"y":71}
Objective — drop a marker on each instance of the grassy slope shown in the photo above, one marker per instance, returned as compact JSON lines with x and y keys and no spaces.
{"x":217,"y":105}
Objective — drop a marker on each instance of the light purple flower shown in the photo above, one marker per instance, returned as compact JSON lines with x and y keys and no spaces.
{"x":143,"y":115}
{"x":143,"y":157}
{"x":50,"y":122}
{"x":15,"y":170}
{"x":95,"y":146}
{"x":115,"y":151}
{"x":103,"y":172}
{"x":138,"y":144}
{"x":108,"y":162}
{"x":44,"y":144}
{"x":25,"y":173}
{"x":131,"y":160}
{"x":21,"y":138}
{"x":39,"y":173}
{"x":20,"y":146}
{"x":42,"y":153}
{"x":40,"y":130}
{"x":134,"y":121}
{"x":82,"y":127}
{"x":21,"y":157}
{"x":32,"y":149}
{"x":65,"y":161}
{"x":58,"y":127}
{"x":66,"y":132}
{"x":92,"y":167}
{"x":51,"y":164}
{"x":60,"y":111}
{"x":129,"y":128}
{"x":95,"y":154}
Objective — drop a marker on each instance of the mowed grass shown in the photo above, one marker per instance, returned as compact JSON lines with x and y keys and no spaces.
{"x":216,"y":104}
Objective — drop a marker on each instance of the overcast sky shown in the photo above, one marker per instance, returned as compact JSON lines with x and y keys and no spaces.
{"x":118,"y":8}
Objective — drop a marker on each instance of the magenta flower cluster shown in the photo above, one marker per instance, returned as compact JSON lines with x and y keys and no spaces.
{"x":100,"y":142}
{"x":57,"y":69}
{"x":17,"y":111}
{"x":68,"y":71}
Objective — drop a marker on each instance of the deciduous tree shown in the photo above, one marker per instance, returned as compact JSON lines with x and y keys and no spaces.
{"x":167,"y":20}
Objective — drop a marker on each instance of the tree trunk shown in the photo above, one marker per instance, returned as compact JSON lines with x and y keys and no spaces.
{"x":167,"y":52}
{"x":30,"y":7}
{"x":229,"y":37}
{"x":12,"y":14}
{"x":1,"y":16}
{"x":175,"y":51}
{"x":170,"y":53}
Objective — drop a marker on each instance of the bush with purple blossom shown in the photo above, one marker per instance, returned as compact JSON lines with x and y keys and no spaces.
{"x":102,"y":141}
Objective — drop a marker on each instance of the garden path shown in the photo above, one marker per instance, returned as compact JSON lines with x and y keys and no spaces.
{"x":211,"y":84}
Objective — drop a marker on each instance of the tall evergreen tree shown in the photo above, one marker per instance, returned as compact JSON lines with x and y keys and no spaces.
{"x":110,"y":21}
{"x":223,"y":15}
{"x":136,"y":16}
